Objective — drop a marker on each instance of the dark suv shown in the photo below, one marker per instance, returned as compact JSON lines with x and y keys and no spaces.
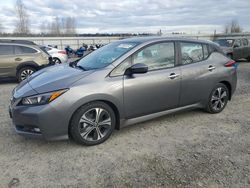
{"x":235,"y":48}
{"x":20,"y":58}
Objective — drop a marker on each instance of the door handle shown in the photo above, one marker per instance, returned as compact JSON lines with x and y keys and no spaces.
{"x":18,"y":59}
{"x":173,"y":76}
{"x":211,"y":68}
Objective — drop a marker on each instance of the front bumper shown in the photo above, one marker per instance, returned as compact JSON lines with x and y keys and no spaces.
{"x":39,"y":122}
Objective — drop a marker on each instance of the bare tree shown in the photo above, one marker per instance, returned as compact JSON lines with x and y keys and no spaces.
{"x":22,"y":25}
{"x":70,"y":26}
{"x":233,"y":27}
{"x":43,"y":28}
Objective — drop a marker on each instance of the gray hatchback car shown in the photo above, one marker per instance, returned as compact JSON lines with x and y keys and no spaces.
{"x":122,"y":83}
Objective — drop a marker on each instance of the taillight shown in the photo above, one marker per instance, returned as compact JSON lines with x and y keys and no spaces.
{"x":230,"y":63}
{"x":62,"y":52}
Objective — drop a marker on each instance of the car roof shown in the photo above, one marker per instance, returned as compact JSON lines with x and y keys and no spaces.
{"x":10,"y":41}
{"x":156,"y":39}
{"x":230,"y":38}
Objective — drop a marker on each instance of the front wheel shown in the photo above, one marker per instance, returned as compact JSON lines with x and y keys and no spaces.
{"x":93,"y":123}
{"x":218,"y":99}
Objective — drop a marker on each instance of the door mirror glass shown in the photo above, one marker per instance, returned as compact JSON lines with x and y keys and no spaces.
{"x":138,"y":68}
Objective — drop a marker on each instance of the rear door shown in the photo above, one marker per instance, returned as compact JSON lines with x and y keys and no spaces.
{"x":7,"y":60}
{"x":196,"y":70}
{"x":159,"y":88}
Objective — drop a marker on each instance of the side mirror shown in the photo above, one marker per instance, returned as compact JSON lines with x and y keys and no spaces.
{"x":138,"y":68}
{"x":236,"y":46}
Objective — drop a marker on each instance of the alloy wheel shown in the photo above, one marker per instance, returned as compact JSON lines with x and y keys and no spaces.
{"x":219,"y":99}
{"x":25,"y":73}
{"x":95,"y":124}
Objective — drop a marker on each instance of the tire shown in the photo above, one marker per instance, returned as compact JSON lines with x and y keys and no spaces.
{"x":24,"y":72}
{"x":230,"y":56}
{"x":87,"y":129}
{"x":218,"y":99}
{"x":248,"y":59}
{"x":56,"y":60}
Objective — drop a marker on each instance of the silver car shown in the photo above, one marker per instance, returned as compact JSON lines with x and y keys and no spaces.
{"x":123,"y":83}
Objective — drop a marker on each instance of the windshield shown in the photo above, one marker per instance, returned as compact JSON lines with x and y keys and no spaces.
{"x":105,"y":55}
{"x":225,"y":42}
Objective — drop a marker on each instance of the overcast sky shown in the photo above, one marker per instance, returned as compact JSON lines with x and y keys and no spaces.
{"x":93,"y":16}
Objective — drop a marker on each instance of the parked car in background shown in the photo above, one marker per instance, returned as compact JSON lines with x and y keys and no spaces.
{"x":21,"y":58}
{"x":235,"y":48}
{"x":123,"y":83}
{"x":58,"y":56}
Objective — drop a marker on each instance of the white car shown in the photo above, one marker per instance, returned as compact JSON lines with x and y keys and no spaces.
{"x":58,"y":56}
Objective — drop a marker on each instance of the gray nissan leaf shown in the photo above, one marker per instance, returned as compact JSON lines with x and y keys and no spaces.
{"x":122,"y":83}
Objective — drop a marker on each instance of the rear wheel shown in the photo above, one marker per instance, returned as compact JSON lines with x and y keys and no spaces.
{"x":230,"y":56}
{"x":93,"y":123}
{"x":56,"y":60}
{"x":218,"y":99}
{"x":24,"y":72}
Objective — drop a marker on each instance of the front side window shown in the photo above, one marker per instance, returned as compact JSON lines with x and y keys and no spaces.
{"x":24,"y":50}
{"x":6,"y":50}
{"x":156,"y":56}
{"x":191,"y":52}
{"x":237,"y":43}
{"x":245,"y":42}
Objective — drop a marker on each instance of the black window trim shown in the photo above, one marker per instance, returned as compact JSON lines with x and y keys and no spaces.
{"x":150,"y":44}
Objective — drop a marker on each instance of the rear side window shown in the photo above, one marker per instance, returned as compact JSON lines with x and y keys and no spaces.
{"x":191,"y":52}
{"x":6,"y":50}
{"x":24,"y":50}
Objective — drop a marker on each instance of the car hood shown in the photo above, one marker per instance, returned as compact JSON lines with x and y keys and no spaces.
{"x":50,"y":79}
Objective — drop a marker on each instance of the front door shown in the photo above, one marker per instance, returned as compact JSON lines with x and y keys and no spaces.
{"x":159,"y":88}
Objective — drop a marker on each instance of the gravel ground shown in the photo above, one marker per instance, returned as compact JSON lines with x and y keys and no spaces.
{"x":188,"y":149}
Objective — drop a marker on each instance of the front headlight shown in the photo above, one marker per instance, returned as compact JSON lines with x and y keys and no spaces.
{"x":41,"y":99}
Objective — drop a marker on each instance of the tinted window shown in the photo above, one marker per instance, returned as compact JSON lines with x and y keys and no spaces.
{"x":24,"y":50}
{"x":6,"y":50}
{"x":191,"y":52}
{"x":156,"y":56}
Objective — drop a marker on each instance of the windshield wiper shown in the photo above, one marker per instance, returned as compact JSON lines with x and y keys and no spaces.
{"x":80,"y":67}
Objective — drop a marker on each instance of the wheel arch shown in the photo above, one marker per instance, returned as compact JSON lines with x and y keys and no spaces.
{"x":229,"y":87}
{"x":27,"y":64}
{"x":112,"y":104}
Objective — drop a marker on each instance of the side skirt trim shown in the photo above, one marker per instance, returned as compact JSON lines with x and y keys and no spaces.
{"x":126,"y":122}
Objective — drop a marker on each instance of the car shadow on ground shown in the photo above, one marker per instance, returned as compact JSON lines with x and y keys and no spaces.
{"x":8,"y":81}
